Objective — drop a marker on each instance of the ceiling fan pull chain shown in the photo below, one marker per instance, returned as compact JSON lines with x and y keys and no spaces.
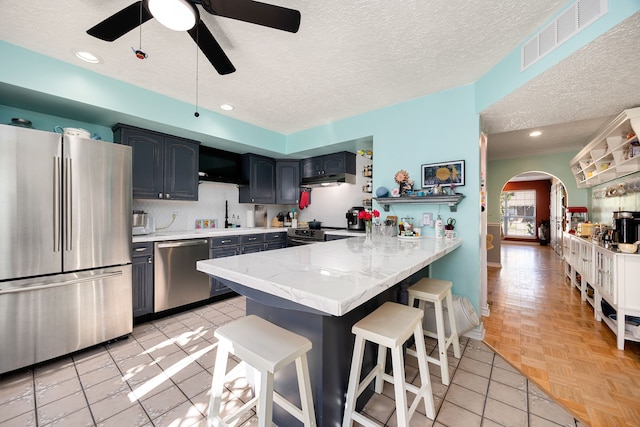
{"x":139,"y":53}
{"x":197,"y":67}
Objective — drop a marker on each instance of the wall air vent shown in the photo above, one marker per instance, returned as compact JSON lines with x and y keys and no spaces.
{"x":577,"y":17}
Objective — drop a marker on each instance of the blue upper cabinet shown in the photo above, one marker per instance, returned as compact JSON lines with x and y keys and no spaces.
{"x":259,"y":180}
{"x":164,"y":166}
{"x":287,"y":182}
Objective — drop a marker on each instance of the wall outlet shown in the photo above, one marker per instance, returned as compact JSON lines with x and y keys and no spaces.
{"x":427,"y":219}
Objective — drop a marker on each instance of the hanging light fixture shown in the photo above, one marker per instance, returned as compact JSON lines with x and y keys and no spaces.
{"x":177,"y":15}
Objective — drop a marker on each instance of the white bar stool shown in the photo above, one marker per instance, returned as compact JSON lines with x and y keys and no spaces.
{"x":434,"y":291}
{"x":389,"y":326}
{"x":267,"y":348}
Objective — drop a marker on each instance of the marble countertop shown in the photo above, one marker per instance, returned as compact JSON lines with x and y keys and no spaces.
{"x":214,"y":232}
{"x":333,"y":277}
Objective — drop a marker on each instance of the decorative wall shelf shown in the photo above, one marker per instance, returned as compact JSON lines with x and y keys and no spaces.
{"x":451,"y":200}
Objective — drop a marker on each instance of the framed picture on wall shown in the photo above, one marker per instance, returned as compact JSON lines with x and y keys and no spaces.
{"x":443,"y":174}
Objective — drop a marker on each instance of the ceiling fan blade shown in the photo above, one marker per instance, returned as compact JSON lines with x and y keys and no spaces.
{"x":120,"y":23}
{"x":211,"y":49}
{"x":268,"y":15}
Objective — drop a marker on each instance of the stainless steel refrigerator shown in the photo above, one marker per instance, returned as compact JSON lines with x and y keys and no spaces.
{"x":65,"y":244}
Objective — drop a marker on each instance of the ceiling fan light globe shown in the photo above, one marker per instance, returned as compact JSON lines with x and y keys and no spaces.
{"x":177,"y":15}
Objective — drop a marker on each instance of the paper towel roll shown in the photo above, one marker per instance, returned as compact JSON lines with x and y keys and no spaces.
{"x":251,"y":220}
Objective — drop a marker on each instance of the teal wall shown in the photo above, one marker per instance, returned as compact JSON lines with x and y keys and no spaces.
{"x":437,"y":128}
{"x":557,"y":164}
{"x":72,"y":84}
{"x":48,"y":122}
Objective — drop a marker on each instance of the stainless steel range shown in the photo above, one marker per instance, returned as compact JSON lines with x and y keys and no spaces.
{"x":304,"y":236}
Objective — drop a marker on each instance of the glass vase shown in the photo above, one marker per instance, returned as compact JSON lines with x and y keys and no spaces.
{"x":367,"y":229}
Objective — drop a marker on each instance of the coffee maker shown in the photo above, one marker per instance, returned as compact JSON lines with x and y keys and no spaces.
{"x":353,"y":222}
{"x":626,"y":226}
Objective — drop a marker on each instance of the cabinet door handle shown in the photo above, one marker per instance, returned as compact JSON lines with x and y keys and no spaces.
{"x":159,"y":195}
{"x":140,"y":249}
{"x":149,"y":260}
{"x":167,"y":196}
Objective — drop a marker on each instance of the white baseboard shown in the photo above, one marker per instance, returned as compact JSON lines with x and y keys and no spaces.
{"x":485,"y":311}
{"x":476,"y":333}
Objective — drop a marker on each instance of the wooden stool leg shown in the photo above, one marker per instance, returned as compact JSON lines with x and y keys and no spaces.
{"x":382,"y":363}
{"x":397,"y":359}
{"x":306,"y":398}
{"x":442,"y":343}
{"x":354,"y":380}
{"x":265,"y":401}
{"x":455,"y":339}
{"x":425,"y":379}
{"x":217,"y":387}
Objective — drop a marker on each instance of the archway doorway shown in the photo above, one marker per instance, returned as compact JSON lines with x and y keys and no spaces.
{"x":532,"y":208}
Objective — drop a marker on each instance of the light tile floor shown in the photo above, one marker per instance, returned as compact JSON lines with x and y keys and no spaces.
{"x":161,"y":374}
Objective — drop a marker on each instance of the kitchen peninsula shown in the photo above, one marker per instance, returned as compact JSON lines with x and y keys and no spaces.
{"x":320,"y":291}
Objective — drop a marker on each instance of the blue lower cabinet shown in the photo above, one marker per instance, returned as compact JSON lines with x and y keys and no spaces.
{"x":242,"y":244}
{"x":251,"y":243}
{"x":142,"y":284}
{"x":222,"y":247}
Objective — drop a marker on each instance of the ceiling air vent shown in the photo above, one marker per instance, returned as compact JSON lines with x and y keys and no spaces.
{"x":577,"y":17}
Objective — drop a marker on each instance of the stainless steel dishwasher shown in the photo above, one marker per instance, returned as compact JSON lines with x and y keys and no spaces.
{"x":176,"y":280}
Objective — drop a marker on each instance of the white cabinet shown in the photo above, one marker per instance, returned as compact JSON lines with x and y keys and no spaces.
{"x":566,"y":253}
{"x":610,"y":154}
{"x":578,"y":256}
{"x":620,"y":274}
{"x":585,"y":267}
{"x":602,"y":274}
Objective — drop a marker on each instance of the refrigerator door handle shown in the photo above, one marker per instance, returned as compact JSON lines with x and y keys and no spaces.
{"x":39,"y":286}
{"x":68,"y":205}
{"x":56,"y":205}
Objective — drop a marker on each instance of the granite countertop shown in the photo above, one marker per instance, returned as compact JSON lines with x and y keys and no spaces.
{"x":333,"y":277}
{"x":214,"y":232}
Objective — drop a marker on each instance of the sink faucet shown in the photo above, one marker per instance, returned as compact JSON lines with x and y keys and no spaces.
{"x":226,"y":214}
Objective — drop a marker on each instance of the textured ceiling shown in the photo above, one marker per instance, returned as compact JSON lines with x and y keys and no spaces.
{"x":571,"y":101}
{"x":348,"y":58}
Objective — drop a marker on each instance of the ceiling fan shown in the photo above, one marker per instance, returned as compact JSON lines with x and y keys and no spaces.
{"x":136,"y":14}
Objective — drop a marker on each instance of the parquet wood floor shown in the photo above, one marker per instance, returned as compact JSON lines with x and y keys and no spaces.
{"x":539,"y":324}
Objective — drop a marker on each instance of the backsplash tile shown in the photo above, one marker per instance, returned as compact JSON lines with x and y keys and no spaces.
{"x":210,"y":205}
{"x":602,"y":208}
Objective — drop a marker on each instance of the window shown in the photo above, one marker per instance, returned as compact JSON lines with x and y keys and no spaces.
{"x":518,"y":213}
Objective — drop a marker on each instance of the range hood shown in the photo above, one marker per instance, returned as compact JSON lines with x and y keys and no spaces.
{"x":328,"y":180}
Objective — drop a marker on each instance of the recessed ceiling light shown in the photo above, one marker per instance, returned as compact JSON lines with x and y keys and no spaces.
{"x":227,"y":107}
{"x":88,"y":57}
{"x":535,"y":133}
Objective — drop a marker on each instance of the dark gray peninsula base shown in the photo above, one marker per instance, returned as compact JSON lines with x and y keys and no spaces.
{"x":320,"y":291}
